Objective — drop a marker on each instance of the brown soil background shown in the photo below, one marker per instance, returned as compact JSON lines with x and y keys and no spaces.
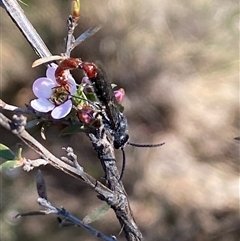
{"x":178,"y":62}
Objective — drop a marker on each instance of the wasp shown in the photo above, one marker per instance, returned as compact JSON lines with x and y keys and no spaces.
{"x":113,"y":119}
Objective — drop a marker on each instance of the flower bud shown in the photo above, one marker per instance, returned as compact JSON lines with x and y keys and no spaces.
{"x":85,"y":114}
{"x":76,"y":9}
{"x":119,"y":94}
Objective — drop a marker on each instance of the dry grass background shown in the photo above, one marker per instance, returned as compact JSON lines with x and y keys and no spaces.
{"x":178,"y":62}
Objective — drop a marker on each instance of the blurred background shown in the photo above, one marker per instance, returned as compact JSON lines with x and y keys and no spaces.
{"x":178,"y":62}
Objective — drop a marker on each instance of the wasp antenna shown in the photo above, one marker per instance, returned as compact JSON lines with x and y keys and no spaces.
{"x":145,"y":145}
{"x":123,"y":164}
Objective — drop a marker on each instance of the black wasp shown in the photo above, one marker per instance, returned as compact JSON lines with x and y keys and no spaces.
{"x":114,"y":120}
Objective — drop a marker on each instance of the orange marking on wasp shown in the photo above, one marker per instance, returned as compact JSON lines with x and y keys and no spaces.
{"x":90,"y":69}
{"x":60,"y":73}
{"x":73,"y":63}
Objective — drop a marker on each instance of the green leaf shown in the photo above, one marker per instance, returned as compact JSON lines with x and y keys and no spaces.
{"x":9,"y":164}
{"x":96,"y":213}
{"x":6,"y":153}
{"x":32,"y":123}
{"x":79,"y":97}
{"x":121,"y":108}
{"x":72,"y":129}
{"x":91,"y":97}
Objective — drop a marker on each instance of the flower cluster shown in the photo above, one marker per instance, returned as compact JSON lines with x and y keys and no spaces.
{"x":51,"y":97}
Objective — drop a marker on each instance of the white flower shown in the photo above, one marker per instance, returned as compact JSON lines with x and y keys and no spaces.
{"x":51,"y":96}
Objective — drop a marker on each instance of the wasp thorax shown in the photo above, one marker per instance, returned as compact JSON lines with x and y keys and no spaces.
{"x":121,"y":133}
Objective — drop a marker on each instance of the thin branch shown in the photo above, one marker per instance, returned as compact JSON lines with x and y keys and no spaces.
{"x":62,"y":212}
{"x":50,"y":209}
{"x":121,"y":205}
{"x":71,"y":25}
{"x":53,"y":160}
{"x":16,"y":13}
{"x":72,"y":158}
{"x":103,"y":144}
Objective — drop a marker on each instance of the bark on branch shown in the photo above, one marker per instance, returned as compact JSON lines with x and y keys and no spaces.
{"x":113,"y":193}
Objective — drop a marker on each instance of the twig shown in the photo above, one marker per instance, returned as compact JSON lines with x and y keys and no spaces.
{"x":52,"y":160}
{"x":19,"y":18}
{"x":70,"y":217}
{"x":6,"y":106}
{"x":71,"y":24}
{"x":121,"y":207}
{"x":103,"y":144}
{"x":72,"y":158}
{"x":50,"y":209}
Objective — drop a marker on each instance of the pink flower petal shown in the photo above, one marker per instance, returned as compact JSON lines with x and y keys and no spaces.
{"x":119,"y":94}
{"x":62,"y":110}
{"x":50,"y":73}
{"x":86,"y":80}
{"x":42,"y":105}
{"x":42,"y":87}
{"x":72,"y":84}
